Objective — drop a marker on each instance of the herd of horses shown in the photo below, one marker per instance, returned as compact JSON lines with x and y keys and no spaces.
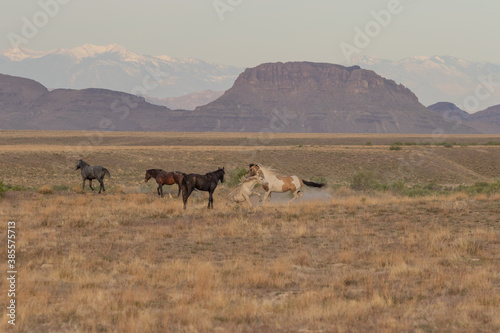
{"x":187,"y":183}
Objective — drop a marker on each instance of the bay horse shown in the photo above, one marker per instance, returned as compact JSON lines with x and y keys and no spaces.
{"x":280,"y":183}
{"x":207,"y":182}
{"x":165,"y":178}
{"x":92,"y":172}
{"x":245,"y":189}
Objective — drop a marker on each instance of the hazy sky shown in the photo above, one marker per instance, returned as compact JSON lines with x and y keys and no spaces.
{"x":249,"y":32}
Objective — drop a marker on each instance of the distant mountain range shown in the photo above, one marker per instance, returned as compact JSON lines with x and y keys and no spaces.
{"x":188,"y":101}
{"x":116,"y":68}
{"x":273,"y":97}
{"x":486,"y":121}
{"x":442,"y":78}
{"x":183,"y":83}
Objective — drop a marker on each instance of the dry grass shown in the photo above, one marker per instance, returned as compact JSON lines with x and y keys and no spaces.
{"x":128,"y":261}
{"x":134,"y":262}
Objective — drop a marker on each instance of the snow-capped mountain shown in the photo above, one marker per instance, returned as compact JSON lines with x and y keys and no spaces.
{"x":472,"y":86}
{"x":117,"y":68}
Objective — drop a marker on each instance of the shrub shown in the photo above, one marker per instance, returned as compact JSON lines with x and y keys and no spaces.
{"x":480,"y":188}
{"x":45,"y":189}
{"x":363,"y":181}
{"x":60,"y":188}
{"x":319,"y":179}
{"x":3,"y":188}
{"x":16,"y":188}
{"x":446,"y":144}
{"x":398,"y":187}
{"x":235,"y":176}
{"x":395,"y":147}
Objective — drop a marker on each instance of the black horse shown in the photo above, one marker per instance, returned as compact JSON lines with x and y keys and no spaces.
{"x":92,"y":172}
{"x":207,"y":182}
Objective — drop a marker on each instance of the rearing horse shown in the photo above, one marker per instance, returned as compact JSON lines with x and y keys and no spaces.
{"x":280,"y":183}
{"x":165,"y":178}
{"x":207,"y":182}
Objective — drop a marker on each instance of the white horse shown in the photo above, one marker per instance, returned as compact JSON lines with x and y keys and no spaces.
{"x":280,"y":183}
{"x":244,"y":190}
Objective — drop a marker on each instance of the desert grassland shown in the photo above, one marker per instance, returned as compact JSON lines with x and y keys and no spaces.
{"x":32,"y":159}
{"x":138,"y":263}
{"x":341,"y":260}
{"x":97,"y":138}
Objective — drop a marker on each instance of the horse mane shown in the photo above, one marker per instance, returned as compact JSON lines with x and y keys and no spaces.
{"x":268,"y":169}
{"x":214,"y":172}
{"x":83,"y":162}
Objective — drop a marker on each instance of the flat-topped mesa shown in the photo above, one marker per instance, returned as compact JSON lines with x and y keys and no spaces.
{"x":321,"y":97}
{"x":312,"y":77}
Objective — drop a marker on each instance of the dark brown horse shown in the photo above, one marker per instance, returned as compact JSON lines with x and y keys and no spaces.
{"x":207,"y":182}
{"x":165,"y":178}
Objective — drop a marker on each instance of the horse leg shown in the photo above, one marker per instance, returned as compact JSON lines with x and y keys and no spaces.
{"x":90,"y":184}
{"x":179,"y":193}
{"x":101,"y":183}
{"x":210,"y":199}
{"x":83,"y":186}
{"x":268,"y":194}
{"x":295,"y":196}
{"x":247,"y":199}
{"x":186,"y":192}
{"x":160,"y":187}
{"x":257,"y":194}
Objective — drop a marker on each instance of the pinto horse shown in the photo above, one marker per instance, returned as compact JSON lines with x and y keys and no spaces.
{"x":165,"y":178}
{"x":280,"y":183}
{"x":207,"y":182}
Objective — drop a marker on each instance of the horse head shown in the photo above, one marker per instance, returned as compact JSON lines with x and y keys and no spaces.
{"x":262,"y":180}
{"x":254,"y":171}
{"x":221,"y":173}
{"x":147,"y":176}
{"x":79,"y":164}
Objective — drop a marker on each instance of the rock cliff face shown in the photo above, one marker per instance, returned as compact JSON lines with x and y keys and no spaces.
{"x":318,"y":97}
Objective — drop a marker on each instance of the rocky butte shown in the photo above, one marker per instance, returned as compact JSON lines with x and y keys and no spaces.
{"x":322,"y":98}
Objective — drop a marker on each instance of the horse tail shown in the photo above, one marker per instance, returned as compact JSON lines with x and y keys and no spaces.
{"x":313,"y":184}
{"x":106,"y":173}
